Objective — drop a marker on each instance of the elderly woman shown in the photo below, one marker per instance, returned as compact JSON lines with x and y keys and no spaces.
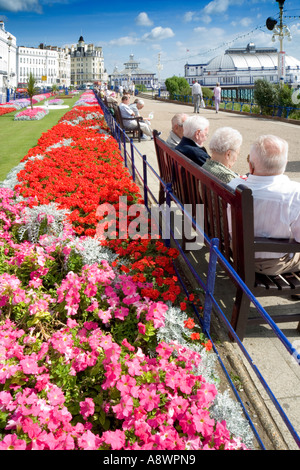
{"x":195,"y":132}
{"x":224,"y":147}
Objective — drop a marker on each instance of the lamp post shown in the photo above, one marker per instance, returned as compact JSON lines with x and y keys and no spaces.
{"x":9,"y":43}
{"x":280,"y":30}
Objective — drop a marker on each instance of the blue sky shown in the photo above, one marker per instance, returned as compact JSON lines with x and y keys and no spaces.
{"x":178,"y":31}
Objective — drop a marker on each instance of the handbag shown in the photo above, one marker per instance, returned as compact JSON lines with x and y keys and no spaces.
{"x":202,"y":104}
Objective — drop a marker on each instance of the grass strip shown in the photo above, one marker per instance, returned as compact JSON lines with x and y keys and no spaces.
{"x":18,"y":137}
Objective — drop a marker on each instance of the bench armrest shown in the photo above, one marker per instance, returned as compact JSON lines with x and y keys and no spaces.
{"x":274,"y":245}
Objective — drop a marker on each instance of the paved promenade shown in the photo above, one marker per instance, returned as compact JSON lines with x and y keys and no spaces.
{"x":280,"y":371}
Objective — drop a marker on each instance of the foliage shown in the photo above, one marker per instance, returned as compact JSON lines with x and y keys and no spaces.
{"x":177,"y":86}
{"x":207,"y":92}
{"x":141,"y":87}
{"x":31,"y":88}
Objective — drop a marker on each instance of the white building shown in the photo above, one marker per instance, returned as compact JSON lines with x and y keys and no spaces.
{"x":87,"y":64}
{"x":132,"y":74}
{"x":8,"y":63}
{"x":49,"y":65}
{"x":238,"y":68}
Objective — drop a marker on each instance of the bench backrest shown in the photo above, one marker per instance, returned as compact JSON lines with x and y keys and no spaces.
{"x":193,"y":185}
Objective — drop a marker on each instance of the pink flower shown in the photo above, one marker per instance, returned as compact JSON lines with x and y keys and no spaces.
{"x":29,"y":365}
{"x":124,"y":408}
{"x":125,"y":383}
{"x":87,"y":408}
{"x":128,"y":345}
{"x":121,"y":313}
{"x":116,"y":439}
{"x":89,"y":441}
{"x":142,"y":328}
{"x":55,"y":396}
{"x":11,"y":442}
{"x":149,"y":399}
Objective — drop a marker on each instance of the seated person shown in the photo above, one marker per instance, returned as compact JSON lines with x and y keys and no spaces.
{"x":224,"y":147}
{"x":195,"y":131}
{"x":127,"y":112}
{"x":137,"y":105}
{"x":176,"y":133}
{"x":276,"y":202}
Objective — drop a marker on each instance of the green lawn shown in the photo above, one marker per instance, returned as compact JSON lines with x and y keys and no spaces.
{"x":17,"y":137}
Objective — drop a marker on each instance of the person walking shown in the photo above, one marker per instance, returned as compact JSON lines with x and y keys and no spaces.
{"x":197,"y":95}
{"x":217,"y":96}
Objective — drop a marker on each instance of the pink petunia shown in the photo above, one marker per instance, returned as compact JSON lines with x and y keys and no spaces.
{"x":87,"y":408}
{"x":29,"y":365}
{"x":11,"y":442}
{"x":116,"y":439}
{"x":142,"y":328}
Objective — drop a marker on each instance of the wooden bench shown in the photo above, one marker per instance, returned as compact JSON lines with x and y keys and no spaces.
{"x":136,"y":132}
{"x":191,"y":184}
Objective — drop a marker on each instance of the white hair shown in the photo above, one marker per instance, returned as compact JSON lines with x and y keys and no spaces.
{"x":225,"y":138}
{"x":269,"y":155}
{"x":192,"y":124}
{"x":139,"y":101}
{"x":178,"y":119}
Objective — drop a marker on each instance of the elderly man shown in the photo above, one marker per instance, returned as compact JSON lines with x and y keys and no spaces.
{"x":176,"y":133}
{"x":276,"y":202}
{"x":137,"y":105}
{"x":128,"y":113}
{"x":224,"y":148}
{"x":197,"y":95}
{"x":195,"y":132}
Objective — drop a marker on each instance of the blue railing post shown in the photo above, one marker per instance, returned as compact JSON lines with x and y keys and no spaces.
{"x":145,"y":180}
{"x":210,"y":284}
{"x":124,"y":149}
{"x":132,"y":159}
{"x":168,"y":214}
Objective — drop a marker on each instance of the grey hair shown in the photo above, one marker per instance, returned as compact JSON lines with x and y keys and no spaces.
{"x":225,"y":138}
{"x":269,"y":155}
{"x":178,"y":119}
{"x":193,"y":124}
{"x":139,"y":101}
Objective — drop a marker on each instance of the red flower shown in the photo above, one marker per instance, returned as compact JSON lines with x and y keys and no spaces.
{"x":189,"y":323}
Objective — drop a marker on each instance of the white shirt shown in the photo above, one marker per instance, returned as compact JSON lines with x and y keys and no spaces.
{"x":276,"y":206}
{"x":196,"y":89}
{"x":126,"y":111}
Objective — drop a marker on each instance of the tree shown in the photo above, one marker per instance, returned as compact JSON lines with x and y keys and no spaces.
{"x":284,"y":95}
{"x":177,"y":86}
{"x":55,"y":88}
{"x":31,"y":89}
{"x":265,"y":95}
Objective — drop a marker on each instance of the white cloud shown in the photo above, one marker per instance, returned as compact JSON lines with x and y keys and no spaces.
{"x":124,"y":41}
{"x":158,"y":33}
{"x":246,"y":22}
{"x":216,"y":6}
{"x":211,"y":32}
{"x":20,"y":5}
{"x":188,"y":16}
{"x":143,"y":20}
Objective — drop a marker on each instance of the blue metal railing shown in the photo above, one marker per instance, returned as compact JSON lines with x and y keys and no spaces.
{"x":251,"y":108}
{"x":215,"y":256}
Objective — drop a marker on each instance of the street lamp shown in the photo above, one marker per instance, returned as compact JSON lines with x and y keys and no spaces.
{"x":9,"y":42}
{"x":281,"y":31}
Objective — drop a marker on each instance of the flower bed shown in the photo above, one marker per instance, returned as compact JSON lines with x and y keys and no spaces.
{"x":97,"y":344}
{"x":6,"y":110}
{"x":56,"y":101}
{"x":29,"y":114}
